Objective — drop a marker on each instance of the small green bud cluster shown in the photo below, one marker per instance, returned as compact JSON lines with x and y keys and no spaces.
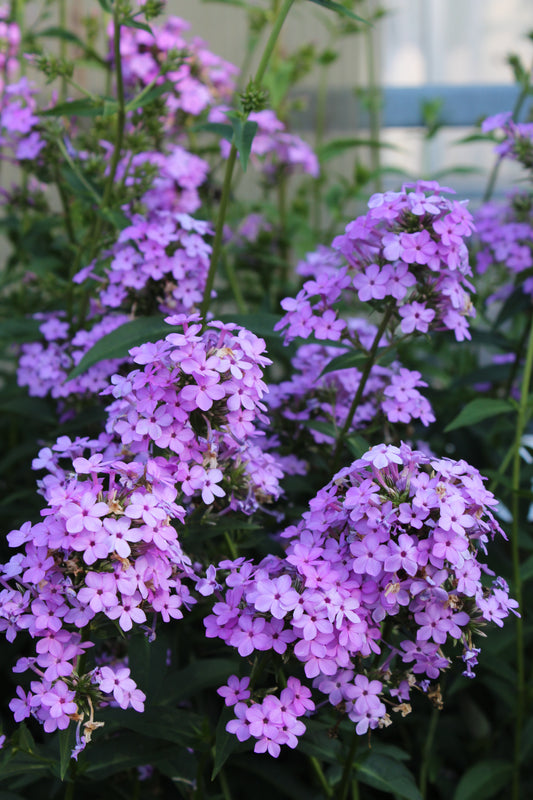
{"x":254,"y":98}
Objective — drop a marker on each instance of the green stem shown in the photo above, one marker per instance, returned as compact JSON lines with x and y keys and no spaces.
{"x":317,"y":769}
{"x":428,"y":744}
{"x":374,"y":107}
{"x":369,"y":363}
{"x":320,"y":127}
{"x":224,"y":785}
{"x":520,"y":100}
{"x":346,"y":779}
{"x":121,"y":114}
{"x":63,"y":47}
{"x":230,"y":164}
{"x":522,"y":419}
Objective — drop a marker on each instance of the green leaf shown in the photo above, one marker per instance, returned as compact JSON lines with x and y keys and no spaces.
{"x":66,"y":744}
{"x":85,"y":107}
{"x":68,"y":36}
{"x":177,"y":725}
{"x":388,"y":775}
{"x":262,"y":324}
{"x":326,"y":428}
{"x":185,"y":683}
{"x":118,"y":343}
{"x":337,"y":147}
{"x":131,"y":22}
{"x":20,"y":329}
{"x":226,"y":743}
{"x":145,"y":98}
{"x":106,"y":5}
{"x":148,"y":664}
{"x":286,"y":784}
{"x":104,"y":758}
{"x":218,"y":128}
{"x":243,"y":136}
{"x":329,"y":4}
{"x":478,"y":410}
{"x":348,"y":360}
{"x":484,"y":780}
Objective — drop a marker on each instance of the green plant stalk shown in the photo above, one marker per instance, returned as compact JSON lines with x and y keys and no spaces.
{"x":347,"y":780}
{"x":121,"y":113}
{"x":521,"y":422}
{"x":230,"y":164}
{"x":428,"y":744}
{"x":317,"y":769}
{"x":369,"y":363}
{"x":63,"y":46}
{"x":374,"y":106}
{"x":320,"y":127}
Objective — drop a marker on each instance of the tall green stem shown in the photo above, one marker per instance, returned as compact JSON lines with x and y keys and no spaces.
{"x":374,"y":107}
{"x":230,"y":164}
{"x":521,"y":422}
{"x":347,"y":779}
{"x":428,"y":745}
{"x":369,"y":363}
{"x":521,"y":99}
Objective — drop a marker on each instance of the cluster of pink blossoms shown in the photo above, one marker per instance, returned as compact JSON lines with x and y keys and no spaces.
{"x":198,"y":398}
{"x":311,"y":396}
{"x":200,"y":78}
{"x":381,"y":574}
{"x":406,"y":253}
{"x":516,"y":139}
{"x":9,"y":46}
{"x":106,"y":551}
{"x":44,"y":367}
{"x":504,"y":233}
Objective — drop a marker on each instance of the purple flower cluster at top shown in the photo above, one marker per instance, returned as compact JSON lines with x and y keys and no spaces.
{"x":275,"y":151}
{"x":382,"y":573}
{"x":197,"y":396}
{"x":200,"y":78}
{"x":407,"y":252}
{"x":505,"y":239}
{"x":9,"y":47}
{"x":516,"y":139}
{"x":20,"y":139}
{"x":311,"y":396}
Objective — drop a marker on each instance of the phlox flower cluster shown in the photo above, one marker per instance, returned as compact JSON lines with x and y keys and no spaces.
{"x":44,"y":367}
{"x":200,"y":78}
{"x":275,"y":151}
{"x":20,"y":139}
{"x":504,"y":238}
{"x":105,"y":553}
{"x":310,"y":396}
{"x":158,"y":264}
{"x":406,"y":253}
{"x":197,"y":397}
{"x":383,"y":572}
{"x":274,"y":721}
{"x":9,"y":46}
{"x":175,"y":178}
{"x":515,"y":138}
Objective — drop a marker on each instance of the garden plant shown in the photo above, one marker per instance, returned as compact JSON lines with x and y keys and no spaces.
{"x":267,"y":463}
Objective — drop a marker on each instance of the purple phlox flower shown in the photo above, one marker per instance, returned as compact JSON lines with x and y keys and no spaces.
{"x":236,"y":690}
{"x":416,"y":317}
{"x":274,"y":596}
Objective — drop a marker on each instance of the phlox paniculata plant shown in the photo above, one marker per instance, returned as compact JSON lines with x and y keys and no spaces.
{"x":406,"y":254}
{"x":381,"y":579}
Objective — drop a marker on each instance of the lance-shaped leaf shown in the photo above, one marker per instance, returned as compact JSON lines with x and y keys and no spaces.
{"x":478,"y":410}
{"x":339,"y":9}
{"x":243,"y":136}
